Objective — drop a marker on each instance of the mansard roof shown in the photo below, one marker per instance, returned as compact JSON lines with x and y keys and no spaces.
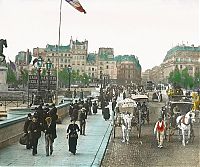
{"x":106,"y":57}
{"x":91,"y":58}
{"x":54,"y":48}
{"x":130,"y":58}
{"x":181,"y":48}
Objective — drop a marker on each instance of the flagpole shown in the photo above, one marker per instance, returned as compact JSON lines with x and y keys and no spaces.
{"x":58,"y":50}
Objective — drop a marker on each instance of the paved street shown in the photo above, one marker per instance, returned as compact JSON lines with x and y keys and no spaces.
{"x":90,"y":148}
{"x":143,"y":152}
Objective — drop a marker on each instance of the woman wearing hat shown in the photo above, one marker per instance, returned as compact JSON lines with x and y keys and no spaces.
{"x":72,"y":134}
{"x":159,"y":130}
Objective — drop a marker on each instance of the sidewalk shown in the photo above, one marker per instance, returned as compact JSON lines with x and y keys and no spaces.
{"x":90,"y":148}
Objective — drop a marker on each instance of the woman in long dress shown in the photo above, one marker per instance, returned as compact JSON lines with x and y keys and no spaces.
{"x":72,"y":135}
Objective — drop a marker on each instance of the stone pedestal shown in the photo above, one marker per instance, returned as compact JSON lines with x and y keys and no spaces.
{"x":3,"y":78}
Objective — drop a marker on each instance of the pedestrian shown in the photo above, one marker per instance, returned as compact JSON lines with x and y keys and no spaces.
{"x":72,"y":135}
{"x":95,"y":107}
{"x":124,"y":95}
{"x":34,"y":130}
{"x":53,"y":114}
{"x":159,"y":131}
{"x":86,"y":106}
{"x":75,"y":93}
{"x":71,"y":110}
{"x":49,"y":130}
{"x":114,"y":103}
{"x":26,"y":125}
{"x":82,"y":121}
{"x":81,"y":94}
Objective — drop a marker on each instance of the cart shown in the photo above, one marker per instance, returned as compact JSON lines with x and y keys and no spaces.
{"x":127,"y":105}
{"x":142,"y":101}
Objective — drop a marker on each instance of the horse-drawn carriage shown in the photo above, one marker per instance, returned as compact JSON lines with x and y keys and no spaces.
{"x":178,"y":116}
{"x":128,"y":114}
{"x":142,"y":104}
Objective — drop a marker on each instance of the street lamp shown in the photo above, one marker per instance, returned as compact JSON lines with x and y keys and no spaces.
{"x":101,"y":88}
{"x":69,"y":69}
{"x":48,"y":67}
{"x":38,"y":98}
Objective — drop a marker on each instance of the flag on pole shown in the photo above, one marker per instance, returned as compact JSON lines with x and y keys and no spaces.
{"x":76,"y":4}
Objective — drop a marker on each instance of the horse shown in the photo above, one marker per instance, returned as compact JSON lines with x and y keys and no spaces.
{"x":126,"y":126}
{"x":184,"y":123}
{"x":3,"y":42}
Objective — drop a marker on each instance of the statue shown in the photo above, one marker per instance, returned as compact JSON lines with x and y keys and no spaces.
{"x":3,"y":42}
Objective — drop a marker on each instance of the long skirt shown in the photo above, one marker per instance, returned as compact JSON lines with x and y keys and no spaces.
{"x":72,"y":144}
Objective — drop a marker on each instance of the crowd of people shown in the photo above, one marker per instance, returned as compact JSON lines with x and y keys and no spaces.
{"x":45,"y":117}
{"x":42,"y":120}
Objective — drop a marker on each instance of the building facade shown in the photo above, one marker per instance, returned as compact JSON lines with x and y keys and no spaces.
{"x":180,"y":57}
{"x":128,"y":69}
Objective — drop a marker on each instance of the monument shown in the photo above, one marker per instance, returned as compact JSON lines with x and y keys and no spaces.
{"x":3,"y":68}
{"x":3,"y":78}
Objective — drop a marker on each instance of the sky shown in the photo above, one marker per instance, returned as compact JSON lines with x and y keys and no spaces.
{"x":144,"y":28}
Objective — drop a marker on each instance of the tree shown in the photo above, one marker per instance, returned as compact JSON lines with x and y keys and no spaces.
{"x":24,"y":77}
{"x":175,"y":77}
{"x":11,"y":77}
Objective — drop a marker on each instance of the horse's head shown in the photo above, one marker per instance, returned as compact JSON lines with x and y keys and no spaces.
{"x":5,"y":43}
{"x":191,"y":115}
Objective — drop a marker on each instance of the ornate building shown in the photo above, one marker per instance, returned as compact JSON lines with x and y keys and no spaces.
{"x":74,"y":54}
{"x":106,"y":63}
{"x":177,"y":57}
{"x":128,"y":69}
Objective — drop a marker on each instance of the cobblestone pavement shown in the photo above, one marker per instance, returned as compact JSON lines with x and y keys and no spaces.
{"x":144,"y":152}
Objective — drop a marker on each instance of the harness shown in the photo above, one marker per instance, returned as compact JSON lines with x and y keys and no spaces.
{"x":182,"y":120}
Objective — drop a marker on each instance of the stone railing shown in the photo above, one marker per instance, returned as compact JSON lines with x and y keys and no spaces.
{"x":12,"y":129}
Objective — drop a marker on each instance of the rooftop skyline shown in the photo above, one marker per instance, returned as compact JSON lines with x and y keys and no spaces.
{"x":144,"y":28}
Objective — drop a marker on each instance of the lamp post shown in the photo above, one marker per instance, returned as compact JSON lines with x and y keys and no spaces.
{"x":69,"y":69}
{"x":48,"y":67}
{"x":101,"y":88}
{"x":38,"y":98}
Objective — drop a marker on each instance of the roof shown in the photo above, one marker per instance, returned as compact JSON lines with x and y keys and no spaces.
{"x":137,"y":97}
{"x":54,"y":48}
{"x":181,"y":48}
{"x":130,"y":58}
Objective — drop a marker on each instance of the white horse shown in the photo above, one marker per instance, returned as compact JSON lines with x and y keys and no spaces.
{"x":184,"y":123}
{"x":126,"y":126}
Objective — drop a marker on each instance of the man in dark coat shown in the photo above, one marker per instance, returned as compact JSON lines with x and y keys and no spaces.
{"x":54,"y":117}
{"x":82,"y":120}
{"x":26,"y":125}
{"x":34,"y":129}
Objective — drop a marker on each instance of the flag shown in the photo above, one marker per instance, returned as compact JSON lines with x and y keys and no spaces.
{"x":12,"y":65}
{"x":35,"y":61}
{"x":76,"y":4}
